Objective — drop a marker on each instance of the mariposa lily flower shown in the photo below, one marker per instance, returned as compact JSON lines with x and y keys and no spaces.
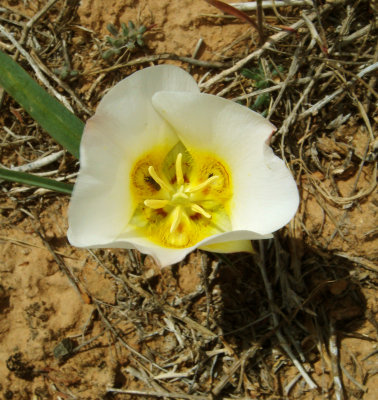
{"x":165,"y":169}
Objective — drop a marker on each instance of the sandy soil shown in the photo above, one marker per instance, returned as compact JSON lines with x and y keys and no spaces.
{"x":176,"y":25}
{"x":51,"y":294}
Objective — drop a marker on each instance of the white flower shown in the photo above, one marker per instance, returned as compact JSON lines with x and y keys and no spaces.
{"x":166,"y":169}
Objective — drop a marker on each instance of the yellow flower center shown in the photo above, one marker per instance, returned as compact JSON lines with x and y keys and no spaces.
{"x":181,"y":200}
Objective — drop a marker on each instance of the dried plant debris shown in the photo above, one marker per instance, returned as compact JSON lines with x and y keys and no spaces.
{"x":262,"y":78}
{"x":297,"y":319}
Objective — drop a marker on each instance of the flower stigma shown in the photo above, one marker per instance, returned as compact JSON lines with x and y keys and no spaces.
{"x":181,"y":200}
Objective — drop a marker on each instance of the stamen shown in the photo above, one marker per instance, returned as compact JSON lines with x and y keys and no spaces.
{"x":176,"y":214}
{"x":202,"y":185}
{"x":198,"y":209}
{"x":156,"y":204}
{"x":179,"y":174}
{"x":158,"y":180}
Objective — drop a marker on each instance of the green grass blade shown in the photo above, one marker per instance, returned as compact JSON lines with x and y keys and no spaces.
{"x":34,"y":180}
{"x":59,"y":122}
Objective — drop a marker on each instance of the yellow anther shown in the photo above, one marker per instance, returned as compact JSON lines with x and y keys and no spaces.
{"x":202,"y":185}
{"x":156,"y":204}
{"x":198,"y":209}
{"x":179,"y":174}
{"x":176,"y":216}
{"x":158,"y":180}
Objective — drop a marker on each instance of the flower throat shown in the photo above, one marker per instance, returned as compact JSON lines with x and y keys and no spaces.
{"x":181,"y":200}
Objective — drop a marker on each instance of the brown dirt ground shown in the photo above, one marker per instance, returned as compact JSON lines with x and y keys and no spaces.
{"x":53,"y":294}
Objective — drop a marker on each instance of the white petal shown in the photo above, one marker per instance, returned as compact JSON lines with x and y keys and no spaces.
{"x":163,"y":256}
{"x":230,"y":247}
{"x":124,"y":127}
{"x":268,"y":199}
{"x":265,"y":194}
{"x":167,"y":256}
{"x":214,"y":124}
{"x":138,"y":125}
{"x":100,"y":204}
{"x":233,"y":236}
{"x":222,"y":243}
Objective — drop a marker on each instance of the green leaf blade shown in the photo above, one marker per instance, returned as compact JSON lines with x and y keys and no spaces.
{"x":54,"y":117}
{"x":34,"y":180}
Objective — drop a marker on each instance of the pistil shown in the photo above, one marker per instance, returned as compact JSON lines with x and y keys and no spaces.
{"x":180,"y":194}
